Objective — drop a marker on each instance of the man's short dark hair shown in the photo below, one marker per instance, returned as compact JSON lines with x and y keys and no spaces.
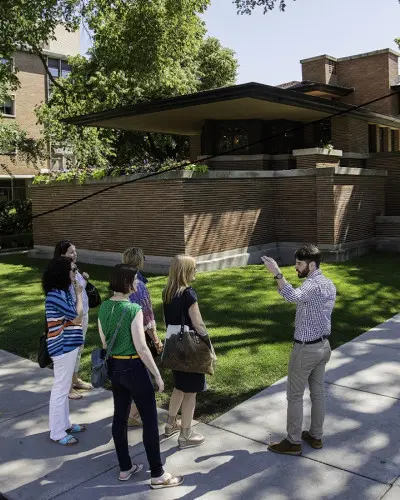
{"x":309,"y":253}
{"x":122,"y":278}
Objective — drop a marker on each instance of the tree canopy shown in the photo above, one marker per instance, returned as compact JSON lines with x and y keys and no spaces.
{"x":247,"y":6}
{"x":141,"y":51}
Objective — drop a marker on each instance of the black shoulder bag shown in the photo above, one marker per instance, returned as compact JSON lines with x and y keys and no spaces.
{"x":43,"y":356}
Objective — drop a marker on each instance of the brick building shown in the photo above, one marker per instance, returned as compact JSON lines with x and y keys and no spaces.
{"x":310,"y":164}
{"x":34,"y":89}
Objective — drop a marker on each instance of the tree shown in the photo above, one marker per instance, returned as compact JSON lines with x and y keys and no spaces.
{"x":141,"y":51}
{"x":217,"y":66}
{"x":247,"y":6}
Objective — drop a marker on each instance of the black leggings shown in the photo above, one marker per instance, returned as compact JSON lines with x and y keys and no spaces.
{"x":131,"y":380}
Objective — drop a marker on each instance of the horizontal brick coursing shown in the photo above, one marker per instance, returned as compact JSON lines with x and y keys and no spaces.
{"x":145,"y":214}
{"x":349,"y":134}
{"x":228,"y":214}
{"x":295,"y":209}
{"x":371,"y":78}
{"x":353,"y":162}
{"x":201,"y":216}
{"x":358,"y":201}
{"x":388,"y":229}
{"x":390,"y":163}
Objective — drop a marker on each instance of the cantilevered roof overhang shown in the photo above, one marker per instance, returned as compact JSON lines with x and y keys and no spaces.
{"x":186,"y":114}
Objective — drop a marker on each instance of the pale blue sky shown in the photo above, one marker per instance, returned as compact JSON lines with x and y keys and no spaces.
{"x":269,"y":47}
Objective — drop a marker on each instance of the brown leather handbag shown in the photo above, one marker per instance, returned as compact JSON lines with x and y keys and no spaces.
{"x":187,"y":351}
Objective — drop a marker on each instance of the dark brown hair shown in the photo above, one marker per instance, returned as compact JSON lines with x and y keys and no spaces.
{"x":61,"y":248}
{"x":309,"y":253}
{"x":56,"y":276}
{"x":122,"y":278}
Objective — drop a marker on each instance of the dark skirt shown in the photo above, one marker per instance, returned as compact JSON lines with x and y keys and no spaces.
{"x":189,"y":382}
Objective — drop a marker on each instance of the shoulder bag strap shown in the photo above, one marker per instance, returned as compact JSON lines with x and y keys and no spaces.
{"x":111,"y":344}
{"x":182,"y":316}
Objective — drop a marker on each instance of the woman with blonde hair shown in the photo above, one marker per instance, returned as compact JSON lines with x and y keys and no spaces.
{"x":180,"y":303}
{"x":135,"y":258}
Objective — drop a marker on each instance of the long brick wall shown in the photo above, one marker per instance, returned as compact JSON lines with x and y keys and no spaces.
{"x":208,"y":214}
{"x":145,"y":214}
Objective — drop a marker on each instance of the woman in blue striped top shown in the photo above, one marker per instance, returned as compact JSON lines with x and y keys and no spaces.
{"x":64,"y":338}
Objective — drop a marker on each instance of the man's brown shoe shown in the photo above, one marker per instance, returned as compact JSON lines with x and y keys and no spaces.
{"x":285,"y":447}
{"x":314,"y":443}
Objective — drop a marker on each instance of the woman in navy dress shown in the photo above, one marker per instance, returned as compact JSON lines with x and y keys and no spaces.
{"x":179,"y":299}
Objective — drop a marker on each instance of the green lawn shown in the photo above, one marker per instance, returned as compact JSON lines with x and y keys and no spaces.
{"x":250,"y":324}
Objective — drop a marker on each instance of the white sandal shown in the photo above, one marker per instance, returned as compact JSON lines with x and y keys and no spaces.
{"x":125,"y":475}
{"x":167,"y":483}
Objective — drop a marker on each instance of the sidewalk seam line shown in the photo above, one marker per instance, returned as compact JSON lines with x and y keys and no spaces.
{"x":308,"y":458}
{"x":25,"y":413}
{"x":362,"y":390}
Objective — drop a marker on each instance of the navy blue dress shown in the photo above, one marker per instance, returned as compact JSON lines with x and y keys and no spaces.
{"x":184,"y":381}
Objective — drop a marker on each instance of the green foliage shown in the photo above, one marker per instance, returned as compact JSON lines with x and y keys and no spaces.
{"x":217,"y":65}
{"x":18,"y":145}
{"x":247,"y":6}
{"x":99,"y":173}
{"x":15,"y":217}
{"x":141,"y":51}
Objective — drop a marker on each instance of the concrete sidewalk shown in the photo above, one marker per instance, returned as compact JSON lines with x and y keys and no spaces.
{"x":360,"y":458}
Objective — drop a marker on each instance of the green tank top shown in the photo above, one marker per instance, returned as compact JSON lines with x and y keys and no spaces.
{"x":110,"y":313}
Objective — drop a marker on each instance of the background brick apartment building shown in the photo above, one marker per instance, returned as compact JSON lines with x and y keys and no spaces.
{"x":313,"y":167}
{"x":34,"y":89}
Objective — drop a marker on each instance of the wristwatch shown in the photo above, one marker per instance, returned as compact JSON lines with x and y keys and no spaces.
{"x":278,"y":276}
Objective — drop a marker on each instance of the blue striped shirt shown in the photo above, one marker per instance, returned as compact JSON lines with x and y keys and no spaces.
{"x":62,"y":335}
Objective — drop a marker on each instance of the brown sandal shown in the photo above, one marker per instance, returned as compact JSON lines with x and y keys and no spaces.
{"x":168,"y":483}
{"x":73,"y":394}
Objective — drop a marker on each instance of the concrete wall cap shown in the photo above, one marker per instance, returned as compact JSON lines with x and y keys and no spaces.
{"x":317,"y":151}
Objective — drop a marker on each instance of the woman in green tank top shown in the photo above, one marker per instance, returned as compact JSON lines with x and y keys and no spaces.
{"x":128,"y":367}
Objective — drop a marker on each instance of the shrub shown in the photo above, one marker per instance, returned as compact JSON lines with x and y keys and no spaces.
{"x":15,"y":217}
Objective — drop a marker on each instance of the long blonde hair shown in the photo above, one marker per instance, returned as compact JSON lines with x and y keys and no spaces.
{"x":181,"y":273}
{"x":134,"y":257}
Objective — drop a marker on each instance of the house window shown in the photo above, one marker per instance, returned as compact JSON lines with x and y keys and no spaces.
{"x":54,"y":67}
{"x":322,"y":133}
{"x":332,"y":67}
{"x":65,"y":69}
{"x":372,"y":142}
{"x":394,"y":134}
{"x":8,"y":107}
{"x":57,"y":68}
{"x":232,"y":138}
{"x":381,"y":139}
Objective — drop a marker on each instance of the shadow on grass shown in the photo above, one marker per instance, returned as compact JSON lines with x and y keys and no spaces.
{"x":250,"y":324}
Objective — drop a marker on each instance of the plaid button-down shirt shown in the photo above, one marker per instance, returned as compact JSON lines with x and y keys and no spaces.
{"x":315,"y":299}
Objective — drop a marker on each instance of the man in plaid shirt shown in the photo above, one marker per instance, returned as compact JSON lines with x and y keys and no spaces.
{"x":314,"y":300}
